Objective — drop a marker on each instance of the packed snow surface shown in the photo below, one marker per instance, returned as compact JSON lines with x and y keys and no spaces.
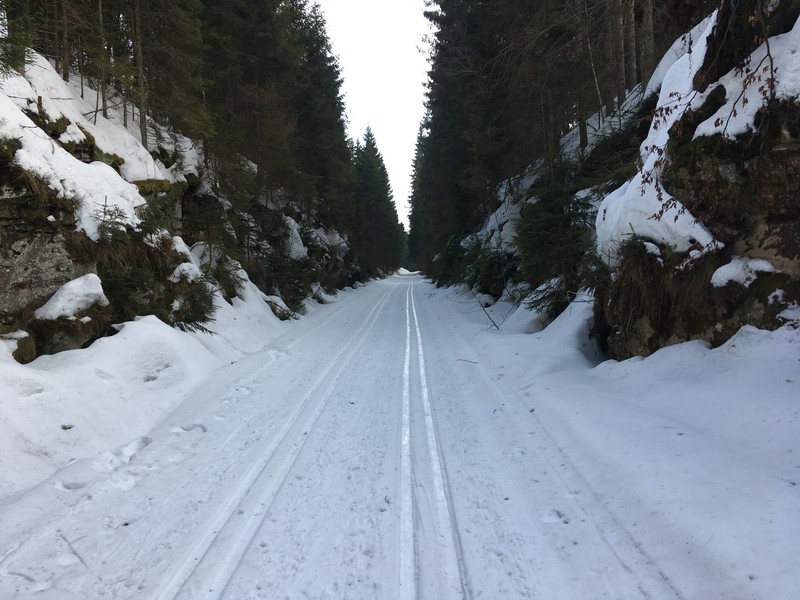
{"x":390,"y":444}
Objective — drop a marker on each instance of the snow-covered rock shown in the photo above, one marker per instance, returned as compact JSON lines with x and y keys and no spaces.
{"x":741,"y":270}
{"x":73,"y":297}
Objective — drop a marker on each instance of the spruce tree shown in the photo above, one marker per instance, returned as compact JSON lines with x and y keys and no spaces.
{"x":380,"y":238}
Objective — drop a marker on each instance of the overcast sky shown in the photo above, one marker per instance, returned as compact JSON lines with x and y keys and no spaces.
{"x":378,"y":43}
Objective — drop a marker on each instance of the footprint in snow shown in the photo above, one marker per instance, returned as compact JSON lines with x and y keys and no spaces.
{"x":555,"y":516}
{"x":67,"y":560}
{"x":69,"y":486}
{"x":114,"y":459}
{"x":124,"y":481}
{"x":185,"y":428}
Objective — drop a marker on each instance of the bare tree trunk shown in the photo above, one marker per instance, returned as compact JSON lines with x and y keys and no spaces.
{"x":139,"y":54}
{"x":583,"y":133}
{"x":585,"y":38}
{"x":631,"y":78}
{"x":64,"y":41}
{"x":617,"y":48}
{"x":647,"y":43}
{"x":102,"y":74}
{"x":97,"y":101}
{"x":80,"y":63}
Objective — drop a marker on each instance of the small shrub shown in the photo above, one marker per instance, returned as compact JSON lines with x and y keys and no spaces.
{"x":112,"y":223}
{"x":192,"y":302}
{"x":8,"y":148}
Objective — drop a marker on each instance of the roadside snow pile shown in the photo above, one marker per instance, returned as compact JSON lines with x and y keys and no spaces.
{"x":73,"y":297}
{"x":79,"y":403}
{"x":692,"y":443}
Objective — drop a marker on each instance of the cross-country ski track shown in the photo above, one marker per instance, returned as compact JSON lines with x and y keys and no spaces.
{"x":375,"y":450}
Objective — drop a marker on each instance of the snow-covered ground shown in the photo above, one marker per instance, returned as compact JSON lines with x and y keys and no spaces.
{"x":390,"y":444}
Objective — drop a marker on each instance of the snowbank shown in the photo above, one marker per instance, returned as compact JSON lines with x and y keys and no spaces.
{"x":693,"y":443}
{"x":80,"y":403}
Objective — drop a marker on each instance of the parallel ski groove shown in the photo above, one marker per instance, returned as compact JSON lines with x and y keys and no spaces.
{"x":407,"y":577}
{"x":177,"y":581}
{"x":444,"y":503}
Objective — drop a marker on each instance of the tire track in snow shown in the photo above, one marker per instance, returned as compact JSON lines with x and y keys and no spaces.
{"x":260,"y":482}
{"x":451,"y":550}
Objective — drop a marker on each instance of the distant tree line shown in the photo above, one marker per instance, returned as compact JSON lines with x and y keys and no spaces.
{"x":507,"y":81}
{"x":255,"y":81}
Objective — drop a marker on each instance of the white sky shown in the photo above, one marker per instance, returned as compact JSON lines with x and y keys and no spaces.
{"x":378,"y":44}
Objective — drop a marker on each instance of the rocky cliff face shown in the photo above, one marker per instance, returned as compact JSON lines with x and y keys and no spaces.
{"x":730,"y":159}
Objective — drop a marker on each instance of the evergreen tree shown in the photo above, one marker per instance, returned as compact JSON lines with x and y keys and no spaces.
{"x":507,"y":81}
{"x":380,"y":238}
{"x":323,"y":151}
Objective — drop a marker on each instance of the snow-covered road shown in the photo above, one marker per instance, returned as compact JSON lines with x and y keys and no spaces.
{"x":374,"y":451}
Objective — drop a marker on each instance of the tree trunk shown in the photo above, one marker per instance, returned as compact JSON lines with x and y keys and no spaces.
{"x":585,"y":38}
{"x":647,"y":43}
{"x":81,"y":54}
{"x":102,"y":74}
{"x":584,"y":134}
{"x":139,"y":55}
{"x":631,"y":78}
{"x":733,"y":39}
{"x":617,"y":48}
{"x":64,"y":41}
{"x":19,"y":33}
